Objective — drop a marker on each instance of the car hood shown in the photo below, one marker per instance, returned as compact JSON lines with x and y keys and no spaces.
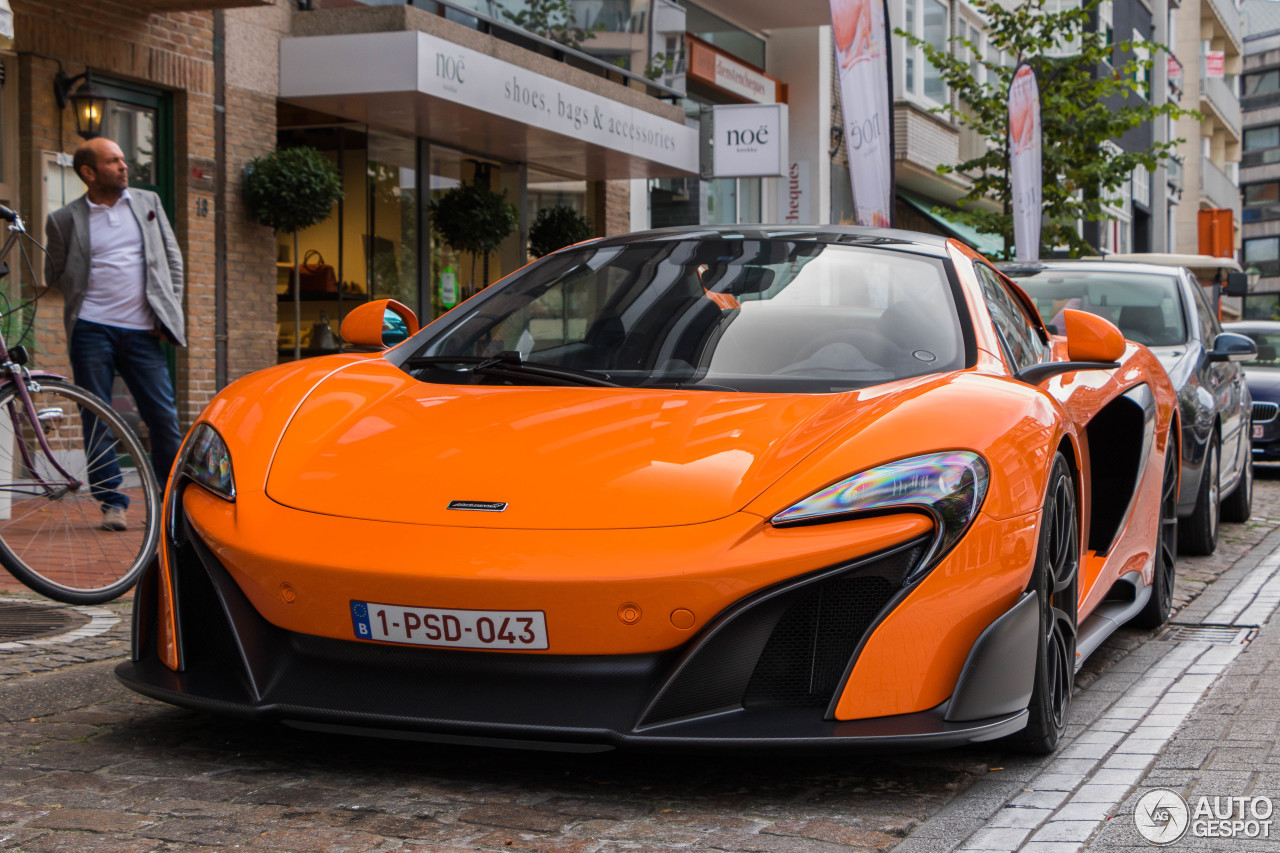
{"x":1177,"y":361}
{"x":371,"y":442}
{"x":1264,"y":383}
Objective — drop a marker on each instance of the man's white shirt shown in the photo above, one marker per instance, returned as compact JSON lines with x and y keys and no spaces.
{"x":117,"y":292}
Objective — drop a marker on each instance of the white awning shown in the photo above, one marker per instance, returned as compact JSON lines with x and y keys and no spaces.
{"x":427,"y":86}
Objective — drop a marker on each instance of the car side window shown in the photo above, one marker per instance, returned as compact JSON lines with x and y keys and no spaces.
{"x":1209,"y":327}
{"x":1019,"y":336}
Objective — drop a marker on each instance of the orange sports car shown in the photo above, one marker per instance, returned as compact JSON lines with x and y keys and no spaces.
{"x":828,"y":486}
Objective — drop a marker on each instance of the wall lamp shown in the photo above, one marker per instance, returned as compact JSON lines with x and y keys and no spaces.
{"x":88,"y":103}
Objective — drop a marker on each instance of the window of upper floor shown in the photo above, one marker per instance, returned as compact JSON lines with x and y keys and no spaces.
{"x":1261,"y":146}
{"x":1261,"y":201}
{"x":1260,"y":88}
{"x":1263,"y":253}
{"x":928,"y":20}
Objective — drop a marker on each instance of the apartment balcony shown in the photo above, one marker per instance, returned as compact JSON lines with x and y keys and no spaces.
{"x":1228,"y":19}
{"x":1218,"y":97}
{"x":1219,"y":189}
{"x":1174,"y":173}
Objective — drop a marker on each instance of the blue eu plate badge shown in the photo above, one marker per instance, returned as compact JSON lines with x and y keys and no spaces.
{"x":360,"y":619}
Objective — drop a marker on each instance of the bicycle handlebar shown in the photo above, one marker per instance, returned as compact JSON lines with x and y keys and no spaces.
{"x":7,"y":215}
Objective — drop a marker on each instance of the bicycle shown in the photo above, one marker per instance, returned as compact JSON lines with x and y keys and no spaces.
{"x":56,"y":470}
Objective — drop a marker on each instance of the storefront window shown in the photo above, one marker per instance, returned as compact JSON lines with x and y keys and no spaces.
{"x":456,"y":274}
{"x":389,"y":245}
{"x":730,"y":201}
{"x":366,"y":249}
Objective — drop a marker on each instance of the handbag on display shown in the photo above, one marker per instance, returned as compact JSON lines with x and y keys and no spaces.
{"x":317,"y":276}
{"x":322,"y":336}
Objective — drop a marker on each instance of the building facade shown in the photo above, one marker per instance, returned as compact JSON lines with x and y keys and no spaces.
{"x":605,"y":113}
{"x":1260,"y":163}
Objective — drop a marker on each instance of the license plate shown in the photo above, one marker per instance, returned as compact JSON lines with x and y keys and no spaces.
{"x":1257,"y":430}
{"x":462,"y":629}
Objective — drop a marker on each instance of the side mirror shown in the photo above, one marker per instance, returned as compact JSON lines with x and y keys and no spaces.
{"x":378,"y":324}
{"x":1237,"y":284}
{"x":1093,"y":343}
{"x":1091,"y":338}
{"x":1230,"y":346}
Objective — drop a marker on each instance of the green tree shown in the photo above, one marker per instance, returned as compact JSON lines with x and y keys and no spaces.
{"x":1087,"y":99}
{"x":552,"y":19}
{"x":556,"y":227}
{"x":473,"y":218}
{"x":288,"y":190}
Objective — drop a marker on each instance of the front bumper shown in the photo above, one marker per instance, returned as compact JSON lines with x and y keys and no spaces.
{"x":765,"y":673}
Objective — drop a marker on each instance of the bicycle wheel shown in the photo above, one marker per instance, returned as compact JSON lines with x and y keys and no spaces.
{"x":51,"y":532}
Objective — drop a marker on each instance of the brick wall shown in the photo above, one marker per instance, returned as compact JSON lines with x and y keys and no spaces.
{"x":609,"y":207}
{"x":250,"y":251}
{"x":169,"y":51}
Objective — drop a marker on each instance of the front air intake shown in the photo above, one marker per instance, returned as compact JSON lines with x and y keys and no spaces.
{"x":788,"y":646}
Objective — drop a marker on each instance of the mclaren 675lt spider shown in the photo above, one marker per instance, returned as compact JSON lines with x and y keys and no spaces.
{"x":689,"y":488}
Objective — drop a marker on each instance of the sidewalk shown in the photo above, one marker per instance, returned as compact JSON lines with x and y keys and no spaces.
{"x":1194,"y":711}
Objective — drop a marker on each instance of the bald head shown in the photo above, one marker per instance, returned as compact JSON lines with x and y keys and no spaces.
{"x":100,"y":163}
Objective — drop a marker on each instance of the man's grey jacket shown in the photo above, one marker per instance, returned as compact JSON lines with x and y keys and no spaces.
{"x":66,"y":266}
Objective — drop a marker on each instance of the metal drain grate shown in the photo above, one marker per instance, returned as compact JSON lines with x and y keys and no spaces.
{"x":31,"y":621}
{"x":1226,"y":635}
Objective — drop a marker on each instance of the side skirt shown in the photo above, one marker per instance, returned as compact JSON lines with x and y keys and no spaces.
{"x":1124,"y":600}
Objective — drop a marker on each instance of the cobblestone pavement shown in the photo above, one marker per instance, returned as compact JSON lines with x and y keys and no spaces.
{"x":87,"y":766}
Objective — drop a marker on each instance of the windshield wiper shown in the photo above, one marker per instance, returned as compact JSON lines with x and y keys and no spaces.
{"x":512,"y":364}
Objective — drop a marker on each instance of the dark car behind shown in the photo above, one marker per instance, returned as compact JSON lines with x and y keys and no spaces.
{"x":1165,"y":308}
{"x":1263,"y":377}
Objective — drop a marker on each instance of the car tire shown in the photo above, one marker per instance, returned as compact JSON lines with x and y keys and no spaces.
{"x":1198,"y":534}
{"x":1238,"y":506}
{"x":1165,"y":575}
{"x":1055,"y":581}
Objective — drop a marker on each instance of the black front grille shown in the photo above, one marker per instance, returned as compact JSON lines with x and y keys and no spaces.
{"x":805,"y":658}
{"x":1264,"y":412}
{"x":789,"y":646}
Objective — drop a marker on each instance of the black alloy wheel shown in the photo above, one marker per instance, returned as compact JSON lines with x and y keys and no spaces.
{"x":1198,"y":535}
{"x":1055,"y":581}
{"x":1164,"y":577}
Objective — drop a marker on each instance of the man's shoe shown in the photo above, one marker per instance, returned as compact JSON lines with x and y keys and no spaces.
{"x":113,"y":519}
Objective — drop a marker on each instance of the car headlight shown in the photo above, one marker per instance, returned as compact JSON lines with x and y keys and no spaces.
{"x":207,"y":462}
{"x":950,"y":487}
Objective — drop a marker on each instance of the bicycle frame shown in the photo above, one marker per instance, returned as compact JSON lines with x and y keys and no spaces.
{"x":16,"y":374}
{"x":15,"y":370}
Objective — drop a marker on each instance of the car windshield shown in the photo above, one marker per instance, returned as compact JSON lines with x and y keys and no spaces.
{"x":723,"y":313}
{"x":1145,"y":306}
{"x":1268,"y":348}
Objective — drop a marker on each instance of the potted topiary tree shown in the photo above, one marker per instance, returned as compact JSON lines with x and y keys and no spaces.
{"x":473,"y":218}
{"x":556,"y":227}
{"x":288,"y":190}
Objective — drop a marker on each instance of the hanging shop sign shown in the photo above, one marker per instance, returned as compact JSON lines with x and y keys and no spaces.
{"x":793,"y":194}
{"x":372,"y":64}
{"x":747,"y":140}
{"x":719,"y":69}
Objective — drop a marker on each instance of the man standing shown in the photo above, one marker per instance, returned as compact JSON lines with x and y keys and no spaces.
{"x":113,"y":256}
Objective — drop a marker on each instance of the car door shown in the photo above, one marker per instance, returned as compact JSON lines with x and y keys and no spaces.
{"x":1225,"y":381}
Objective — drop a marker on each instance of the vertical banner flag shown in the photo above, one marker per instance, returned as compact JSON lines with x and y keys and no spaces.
{"x":1025,"y":174}
{"x":862,"y":52}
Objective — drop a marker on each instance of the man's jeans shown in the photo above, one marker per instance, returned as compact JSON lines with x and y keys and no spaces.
{"x":97,"y":353}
